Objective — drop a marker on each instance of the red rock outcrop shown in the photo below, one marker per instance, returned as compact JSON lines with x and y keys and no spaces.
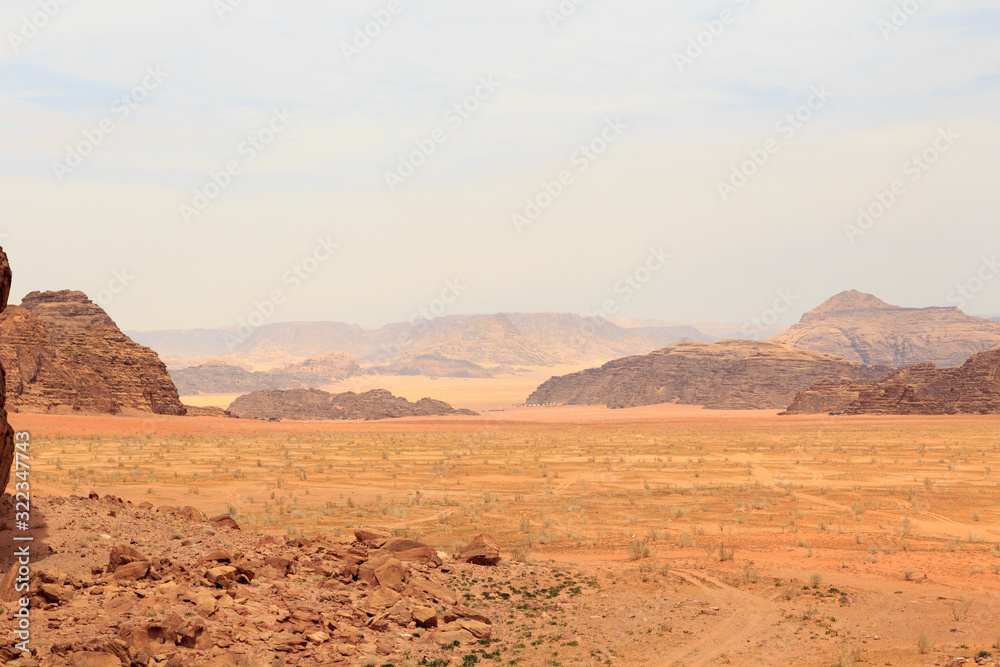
{"x":313,"y":404}
{"x":6,"y":432}
{"x":728,"y":375}
{"x":924,"y":389}
{"x":63,"y":353}
{"x":861,"y":327}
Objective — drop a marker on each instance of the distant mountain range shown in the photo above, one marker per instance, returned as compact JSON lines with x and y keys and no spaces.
{"x":503,"y":339}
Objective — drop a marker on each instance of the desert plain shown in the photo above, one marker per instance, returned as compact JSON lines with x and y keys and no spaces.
{"x":662,"y":535}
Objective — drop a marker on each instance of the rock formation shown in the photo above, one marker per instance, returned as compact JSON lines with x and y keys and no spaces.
{"x":313,"y":404}
{"x":732,"y":374}
{"x":861,"y":327}
{"x":6,"y":432}
{"x":221,"y":378}
{"x":63,"y":353}
{"x":924,"y":389}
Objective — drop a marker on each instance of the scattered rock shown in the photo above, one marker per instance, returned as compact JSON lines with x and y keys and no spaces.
{"x":482,"y":550}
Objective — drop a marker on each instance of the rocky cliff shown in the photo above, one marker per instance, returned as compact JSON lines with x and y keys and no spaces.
{"x":924,"y":389}
{"x":861,"y":327}
{"x":63,"y":353}
{"x":313,"y":404}
{"x":732,"y":374}
{"x":6,"y":432}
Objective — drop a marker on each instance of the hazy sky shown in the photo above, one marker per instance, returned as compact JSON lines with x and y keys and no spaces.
{"x":115,"y":112}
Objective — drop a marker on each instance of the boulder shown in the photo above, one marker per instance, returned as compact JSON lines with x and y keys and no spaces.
{"x":132,"y":571}
{"x":482,"y":550}
{"x":368,"y":534}
{"x":225,"y":521}
{"x":123,"y":555}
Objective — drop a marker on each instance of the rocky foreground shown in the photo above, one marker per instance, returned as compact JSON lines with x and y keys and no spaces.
{"x":314,"y":404}
{"x":213,"y":596}
{"x":733,"y":374}
{"x":924,"y":389}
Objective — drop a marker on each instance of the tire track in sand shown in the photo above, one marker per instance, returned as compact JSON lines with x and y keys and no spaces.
{"x":748,"y":615}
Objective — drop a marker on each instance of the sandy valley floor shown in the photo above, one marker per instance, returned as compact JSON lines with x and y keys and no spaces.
{"x":686,"y":537}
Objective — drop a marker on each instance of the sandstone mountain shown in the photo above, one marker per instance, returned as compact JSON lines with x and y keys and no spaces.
{"x":503,"y":339}
{"x":313,"y":404}
{"x":221,"y":378}
{"x":973,"y":388}
{"x":63,"y":353}
{"x":6,"y":432}
{"x":861,"y":327}
{"x":732,"y":374}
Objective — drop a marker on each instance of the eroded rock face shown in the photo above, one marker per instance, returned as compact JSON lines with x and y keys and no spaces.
{"x":861,"y":327}
{"x":730,"y":375}
{"x":63,"y":353}
{"x":6,"y":432}
{"x":924,"y":389}
{"x":313,"y":404}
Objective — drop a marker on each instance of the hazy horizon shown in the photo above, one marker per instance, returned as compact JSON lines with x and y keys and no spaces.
{"x":336,"y":169}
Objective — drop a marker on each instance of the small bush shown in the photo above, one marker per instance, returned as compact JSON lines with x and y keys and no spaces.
{"x":960,"y":608}
{"x":924,"y":643}
{"x":639,"y":549}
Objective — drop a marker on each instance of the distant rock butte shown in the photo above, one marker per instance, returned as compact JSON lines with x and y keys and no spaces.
{"x":861,"y":327}
{"x":732,"y":374}
{"x":313,"y":404}
{"x":63,"y":353}
{"x":221,"y":378}
{"x":973,"y":389}
{"x":432,"y":365}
